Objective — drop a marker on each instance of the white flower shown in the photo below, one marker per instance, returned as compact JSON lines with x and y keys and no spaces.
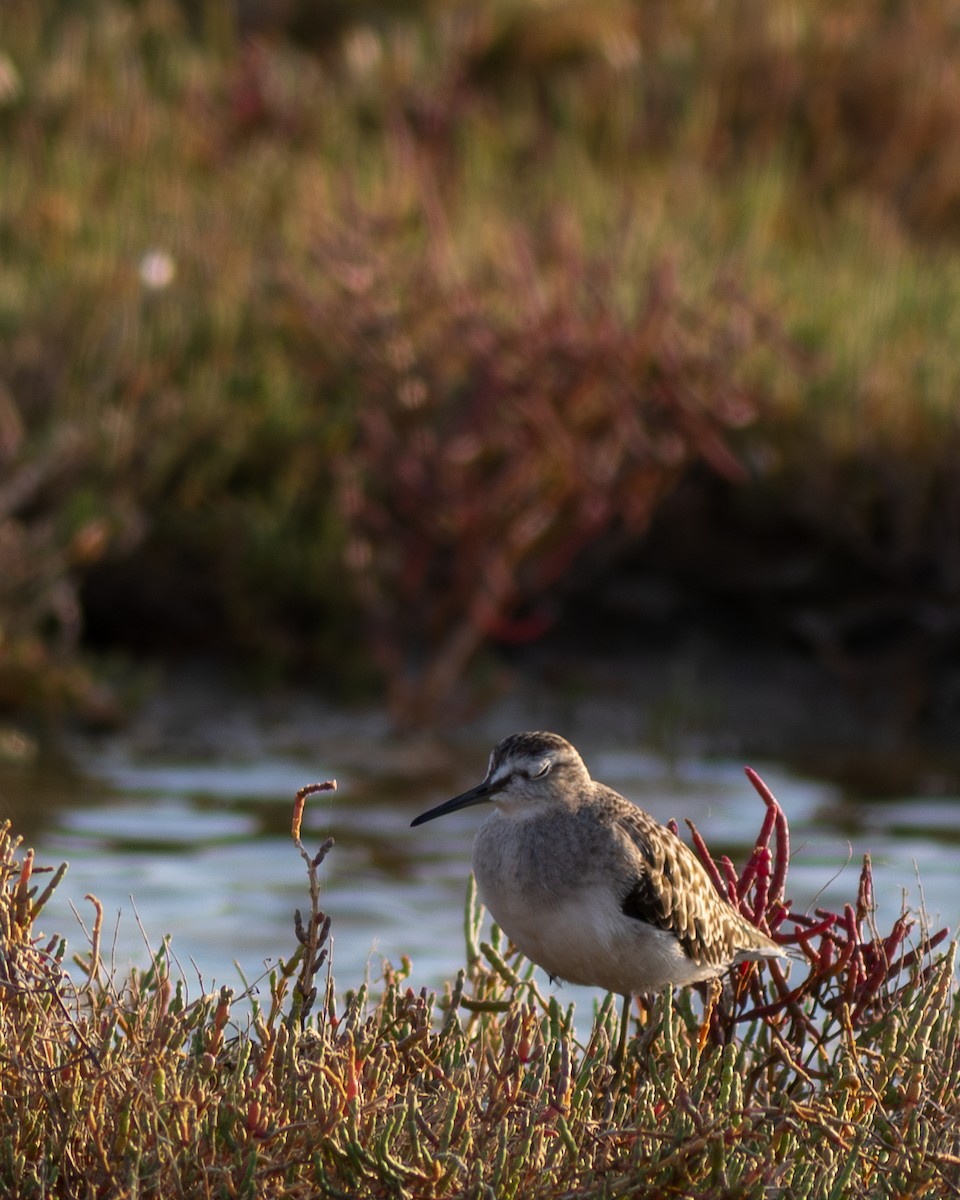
{"x":157,"y":270}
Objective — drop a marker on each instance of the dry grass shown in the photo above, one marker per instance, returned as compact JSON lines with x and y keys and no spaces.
{"x":127,"y":1088}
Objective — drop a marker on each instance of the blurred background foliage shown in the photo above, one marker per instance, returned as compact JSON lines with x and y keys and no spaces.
{"x":360,"y":338}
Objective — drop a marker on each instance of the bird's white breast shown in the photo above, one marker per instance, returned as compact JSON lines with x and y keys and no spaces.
{"x":575,"y":933}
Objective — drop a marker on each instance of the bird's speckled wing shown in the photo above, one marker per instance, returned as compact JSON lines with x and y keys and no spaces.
{"x":672,"y":891}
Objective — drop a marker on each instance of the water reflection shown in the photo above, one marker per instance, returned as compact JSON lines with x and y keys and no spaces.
{"x":201,"y":849}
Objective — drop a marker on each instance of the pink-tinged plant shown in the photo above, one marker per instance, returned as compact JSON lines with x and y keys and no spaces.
{"x":854,"y":975}
{"x":497,"y":446}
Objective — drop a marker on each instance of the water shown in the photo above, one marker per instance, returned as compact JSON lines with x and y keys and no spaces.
{"x":198,"y":845}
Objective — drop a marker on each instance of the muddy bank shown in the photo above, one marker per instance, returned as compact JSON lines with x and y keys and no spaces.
{"x":701,"y":681}
{"x":748,"y":630}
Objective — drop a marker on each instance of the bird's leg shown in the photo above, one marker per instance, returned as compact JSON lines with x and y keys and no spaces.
{"x":622,"y":1042}
{"x":712,"y":994}
{"x":617,"y":1082}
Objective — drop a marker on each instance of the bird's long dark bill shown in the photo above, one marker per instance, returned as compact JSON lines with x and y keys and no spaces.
{"x":478,"y":795}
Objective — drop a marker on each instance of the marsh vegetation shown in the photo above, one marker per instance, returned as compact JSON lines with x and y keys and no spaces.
{"x":839,"y":1080}
{"x":310,"y":327}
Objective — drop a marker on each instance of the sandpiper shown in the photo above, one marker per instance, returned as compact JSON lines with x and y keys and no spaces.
{"x":589,"y":886}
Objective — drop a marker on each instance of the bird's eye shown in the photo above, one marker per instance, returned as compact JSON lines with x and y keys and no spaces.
{"x":542,"y":770}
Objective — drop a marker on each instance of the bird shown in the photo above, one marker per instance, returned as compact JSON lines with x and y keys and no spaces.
{"x":589,"y":886}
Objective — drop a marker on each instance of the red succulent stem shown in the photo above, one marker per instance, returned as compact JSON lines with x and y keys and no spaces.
{"x":777,"y":818}
{"x":707,"y":859}
{"x":912,"y":956}
{"x":783,"y":856}
{"x":748,"y":874}
{"x":763,"y":886}
{"x":802,"y":936}
{"x":730,"y":871}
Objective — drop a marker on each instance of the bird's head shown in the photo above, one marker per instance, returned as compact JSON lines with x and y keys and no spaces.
{"x":526,"y":771}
